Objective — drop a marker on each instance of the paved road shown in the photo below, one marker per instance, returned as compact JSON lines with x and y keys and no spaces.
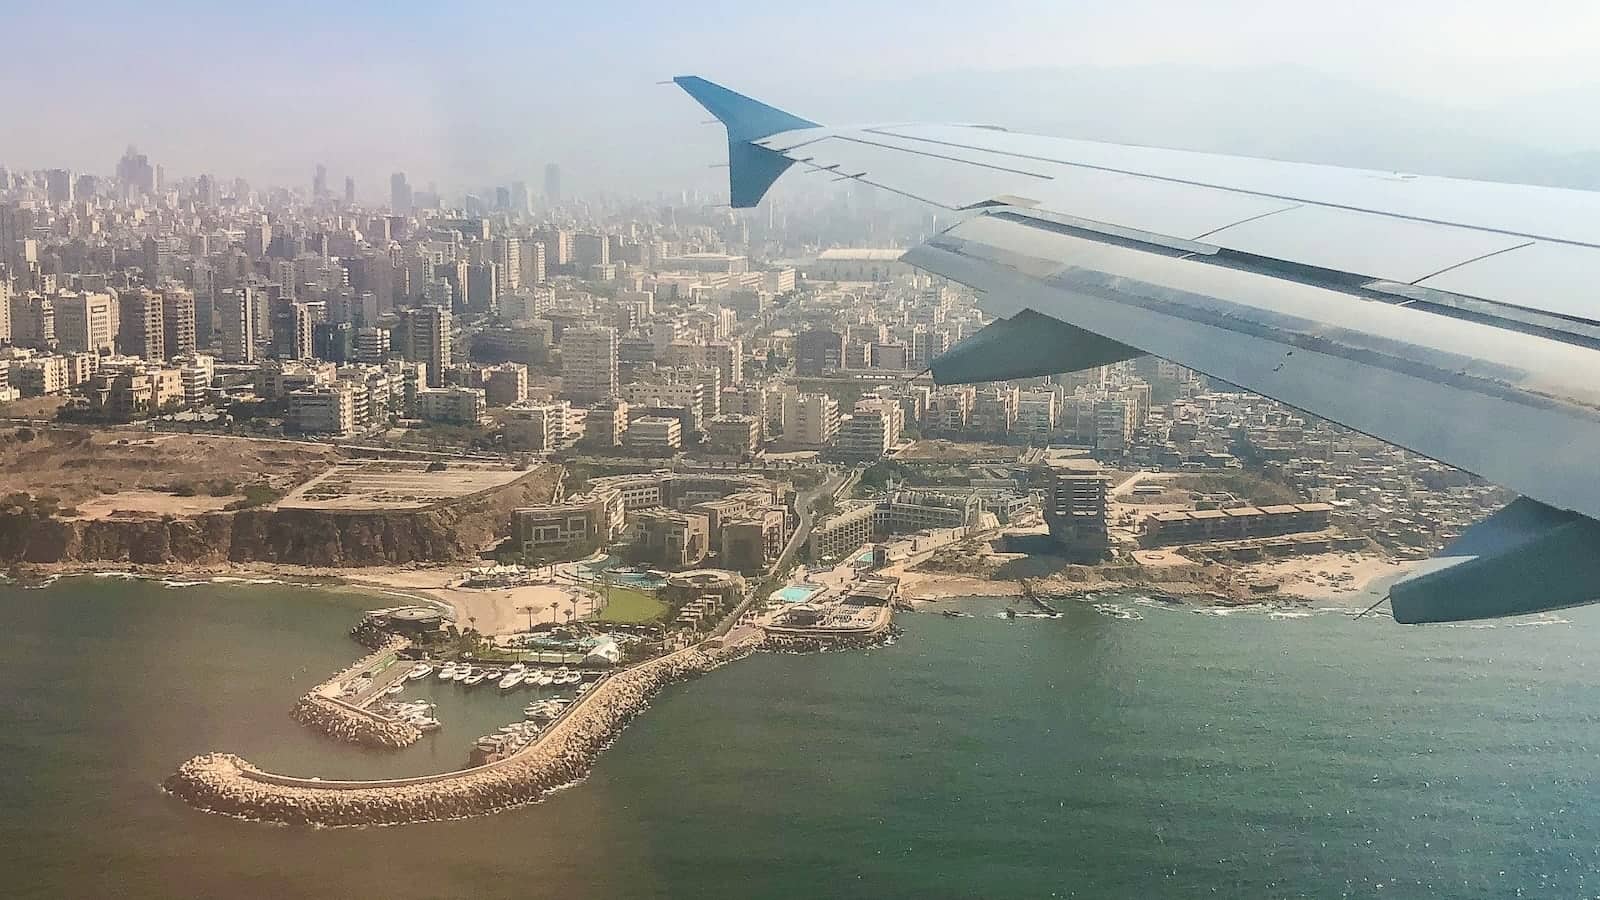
{"x":830,"y":487}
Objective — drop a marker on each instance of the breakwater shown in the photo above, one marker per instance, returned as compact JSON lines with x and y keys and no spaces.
{"x":322,"y":709}
{"x":226,"y":784}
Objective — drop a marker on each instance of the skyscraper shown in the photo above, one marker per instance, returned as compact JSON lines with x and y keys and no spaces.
{"x":349,"y":191}
{"x":58,"y":186}
{"x":237,"y":311}
{"x":135,"y":176}
{"x":589,"y":364}
{"x":399,"y":194}
{"x":552,"y":184}
{"x":319,"y":182}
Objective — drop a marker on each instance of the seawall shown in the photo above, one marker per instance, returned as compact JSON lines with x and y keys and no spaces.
{"x":226,"y":784}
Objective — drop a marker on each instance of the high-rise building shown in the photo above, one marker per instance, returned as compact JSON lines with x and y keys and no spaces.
{"x":58,"y":186}
{"x":349,"y":191}
{"x":533,"y":263}
{"x":400,"y":196}
{"x":237,"y":311}
{"x":507,"y":254}
{"x":33,"y":321}
{"x":810,"y":420}
{"x":818,"y":350}
{"x":428,"y":335}
{"x":319,"y":182}
{"x":140,"y":332}
{"x":291,"y":330}
{"x":871,"y":430}
{"x":590,"y":250}
{"x":12,"y":231}
{"x":728,"y":358}
{"x":177,"y":321}
{"x":1075,"y":507}
{"x":135,"y":176}
{"x":552,"y":184}
{"x":84,"y":322}
{"x":589,"y":364}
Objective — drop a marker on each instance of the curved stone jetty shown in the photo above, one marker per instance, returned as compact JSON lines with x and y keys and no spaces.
{"x":224,"y":783}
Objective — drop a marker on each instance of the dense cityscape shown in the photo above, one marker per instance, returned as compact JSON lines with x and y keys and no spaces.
{"x":603,"y":446}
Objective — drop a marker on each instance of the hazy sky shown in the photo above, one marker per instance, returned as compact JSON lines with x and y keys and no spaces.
{"x":470,"y":93}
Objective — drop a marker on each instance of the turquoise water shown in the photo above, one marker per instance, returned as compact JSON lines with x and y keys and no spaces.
{"x":797,"y":594}
{"x":609,"y":567}
{"x":1131,"y":750}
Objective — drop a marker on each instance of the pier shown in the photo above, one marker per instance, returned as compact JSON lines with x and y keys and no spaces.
{"x":347,"y":718}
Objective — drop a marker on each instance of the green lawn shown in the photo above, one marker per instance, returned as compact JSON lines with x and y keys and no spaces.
{"x":631,"y":607}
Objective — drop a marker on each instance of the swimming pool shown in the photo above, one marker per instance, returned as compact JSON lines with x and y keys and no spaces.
{"x":798,"y":593}
{"x":865,"y":557}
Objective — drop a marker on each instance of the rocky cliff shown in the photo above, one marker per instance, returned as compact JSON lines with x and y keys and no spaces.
{"x":452,"y":530}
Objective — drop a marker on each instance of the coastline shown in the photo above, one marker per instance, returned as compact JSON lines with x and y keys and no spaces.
{"x":1331,"y":578}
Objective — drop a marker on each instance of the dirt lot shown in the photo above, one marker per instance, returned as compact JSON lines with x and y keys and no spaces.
{"x":82,"y":466}
{"x":386,"y":484}
{"x":940,"y":450}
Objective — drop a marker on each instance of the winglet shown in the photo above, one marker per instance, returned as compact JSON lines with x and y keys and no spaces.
{"x":746,"y":119}
{"x":751,"y":169}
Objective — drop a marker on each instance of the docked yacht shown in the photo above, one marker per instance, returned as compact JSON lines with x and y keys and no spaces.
{"x":512,"y":678}
{"x":447,"y":671}
{"x":543,"y":678}
{"x":420,"y":670}
{"x":462,"y":673}
{"x":475,"y":676}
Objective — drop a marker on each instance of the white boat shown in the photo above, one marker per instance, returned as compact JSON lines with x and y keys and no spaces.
{"x":569,"y":677}
{"x":427,"y":723}
{"x":475,"y":676}
{"x":493,"y":674}
{"x":511,"y":680}
{"x":543,"y":678}
{"x":518,"y":668}
{"x":420,"y":670}
{"x":397,"y":687}
{"x":447,"y":671}
{"x":462,"y":673}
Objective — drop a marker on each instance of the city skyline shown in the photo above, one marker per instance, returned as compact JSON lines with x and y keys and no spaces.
{"x":364,"y":94}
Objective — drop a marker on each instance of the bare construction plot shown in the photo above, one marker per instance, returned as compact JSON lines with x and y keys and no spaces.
{"x":368,"y":485}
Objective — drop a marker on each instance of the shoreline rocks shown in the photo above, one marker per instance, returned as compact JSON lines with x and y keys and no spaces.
{"x":225,"y":783}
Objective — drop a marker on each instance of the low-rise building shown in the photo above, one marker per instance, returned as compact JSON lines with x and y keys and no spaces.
{"x":655,"y":433}
{"x":535,"y":426}
{"x":909,"y":510}
{"x":733,"y":435}
{"x":452,"y":405}
{"x":505,"y":384}
{"x":753,"y":542}
{"x":672,"y":540}
{"x":1203,"y":526}
{"x":324,"y":409}
{"x":574,"y":527}
{"x":842,"y":533}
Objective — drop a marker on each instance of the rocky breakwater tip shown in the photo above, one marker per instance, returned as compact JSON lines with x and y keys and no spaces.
{"x":224,"y":783}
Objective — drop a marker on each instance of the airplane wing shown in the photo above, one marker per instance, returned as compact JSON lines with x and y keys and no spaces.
{"x":1457,"y":319}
